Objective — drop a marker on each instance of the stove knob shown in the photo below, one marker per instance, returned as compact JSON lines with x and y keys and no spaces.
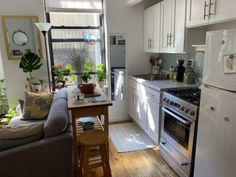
{"x":164,"y":99}
{"x":187,"y":110}
{"x":172,"y":103}
{"x":168,"y":100}
{"x":192,"y":113}
{"x":182,"y":108}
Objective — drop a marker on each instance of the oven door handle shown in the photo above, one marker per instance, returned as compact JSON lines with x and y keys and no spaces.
{"x":177,"y":117}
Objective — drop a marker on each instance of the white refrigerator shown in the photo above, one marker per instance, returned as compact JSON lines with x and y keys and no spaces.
{"x":216,"y":136}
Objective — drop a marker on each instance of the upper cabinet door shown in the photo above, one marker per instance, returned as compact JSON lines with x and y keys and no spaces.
{"x":178,"y":34}
{"x":197,"y":12}
{"x":166,"y":25}
{"x":155,"y":41}
{"x":148,"y":29}
{"x":152,"y":22}
{"x":222,"y":10}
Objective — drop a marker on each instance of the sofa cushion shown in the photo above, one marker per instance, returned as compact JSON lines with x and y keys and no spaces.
{"x":19,"y":121}
{"x":58,"y":118}
{"x":7,"y":144}
{"x":37,"y":105}
{"x":8,"y":132}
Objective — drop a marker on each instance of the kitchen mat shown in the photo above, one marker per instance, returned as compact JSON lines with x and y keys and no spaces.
{"x":128,"y":137}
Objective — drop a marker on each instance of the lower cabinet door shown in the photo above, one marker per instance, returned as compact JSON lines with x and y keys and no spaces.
{"x":152,"y":120}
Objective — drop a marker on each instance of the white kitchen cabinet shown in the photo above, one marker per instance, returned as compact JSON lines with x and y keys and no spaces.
{"x":173,"y":26}
{"x":152,"y":17}
{"x":197,"y":11}
{"x":205,"y":12}
{"x":136,"y":107}
{"x":166,"y":25}
{"x":222,"y":10}
{"x":152,"y":120}
{"x":132,"y":103}
{"x":144,"y":108}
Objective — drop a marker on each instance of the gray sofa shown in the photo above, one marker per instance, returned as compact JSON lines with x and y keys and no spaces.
{"x":48,"y":156}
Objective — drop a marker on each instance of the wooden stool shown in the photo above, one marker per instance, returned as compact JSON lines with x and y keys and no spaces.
{"x":93,"y":143}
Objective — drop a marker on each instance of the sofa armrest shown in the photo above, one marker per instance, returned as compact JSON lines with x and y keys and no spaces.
{"x":49,"y":157}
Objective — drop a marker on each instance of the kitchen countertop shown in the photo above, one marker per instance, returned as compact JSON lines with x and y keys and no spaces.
{"x":162,"y":85}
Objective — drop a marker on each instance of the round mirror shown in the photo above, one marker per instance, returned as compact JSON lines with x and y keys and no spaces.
{"x":19,"y":38}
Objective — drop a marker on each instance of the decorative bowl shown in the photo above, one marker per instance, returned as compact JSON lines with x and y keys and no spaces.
{"x":88,"y":125}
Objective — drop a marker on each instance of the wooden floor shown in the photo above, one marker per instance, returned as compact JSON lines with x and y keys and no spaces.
{"x":144,"y":163}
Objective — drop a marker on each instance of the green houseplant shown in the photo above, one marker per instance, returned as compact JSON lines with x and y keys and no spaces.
{"x":29,"y":63}
{"x":101,"y":75}
{"x":61,"y":73}
{"x":3,"y":99}
{"x":86,"y":76}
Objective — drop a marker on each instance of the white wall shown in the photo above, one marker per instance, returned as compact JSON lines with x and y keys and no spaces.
{"x":129,"y":21}
{"x":15,"y":78}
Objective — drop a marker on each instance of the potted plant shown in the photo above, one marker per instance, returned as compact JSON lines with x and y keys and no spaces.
{"x":7,"y":117}
{"x":3,"y":99}
{"x":61,"y":73}
{"x":101,"y":75}
{"x":29,"y":63}
{"x":86,"y":76}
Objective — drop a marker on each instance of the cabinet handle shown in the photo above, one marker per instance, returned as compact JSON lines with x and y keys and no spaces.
{"x":171,"y":39}
{"x":168,"y":36}
{"x":150,"y":43}
{"x":167,"y":39}
{"x":205,"y":6}
{"x":210,"y":5}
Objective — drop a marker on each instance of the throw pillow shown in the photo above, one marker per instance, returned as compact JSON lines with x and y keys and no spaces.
{"x":37,"y":105}
{"x":8,"y":132}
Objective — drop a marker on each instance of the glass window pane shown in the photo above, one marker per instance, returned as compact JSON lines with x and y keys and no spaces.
{"x":68,"y":52}
{"x":74,"y":19}
{"x":74,"y":33}
{"x":74,"y":4}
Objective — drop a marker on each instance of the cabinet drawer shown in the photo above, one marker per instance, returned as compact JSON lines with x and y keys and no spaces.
{"x":153,"y":95}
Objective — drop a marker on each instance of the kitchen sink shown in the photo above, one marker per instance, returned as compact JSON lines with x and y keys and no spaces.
{"x":151,"y":77}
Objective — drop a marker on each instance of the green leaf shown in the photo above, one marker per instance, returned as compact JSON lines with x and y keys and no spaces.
{"x":30,"y":62}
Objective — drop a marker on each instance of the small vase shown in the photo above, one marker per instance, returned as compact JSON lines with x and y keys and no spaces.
{"x":101,"y":84}
{"x":36,"y":87}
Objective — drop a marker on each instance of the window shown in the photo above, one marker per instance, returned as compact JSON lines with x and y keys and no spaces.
{"x":75,"y":35}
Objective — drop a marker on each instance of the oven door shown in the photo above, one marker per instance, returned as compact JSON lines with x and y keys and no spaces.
{"x":178,"y":131}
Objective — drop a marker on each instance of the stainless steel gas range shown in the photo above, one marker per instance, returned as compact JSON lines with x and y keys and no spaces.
{"x":178,"y":128}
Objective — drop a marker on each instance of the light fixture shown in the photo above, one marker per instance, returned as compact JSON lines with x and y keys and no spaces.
{"x":44,"y":28}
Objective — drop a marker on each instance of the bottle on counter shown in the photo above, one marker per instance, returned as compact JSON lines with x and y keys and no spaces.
{"x":180,"y":69}
{"x":172,"y":73}
{"x":189,"y":74}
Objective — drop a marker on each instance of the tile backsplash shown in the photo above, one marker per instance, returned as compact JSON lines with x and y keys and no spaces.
{"x":169,"y":60}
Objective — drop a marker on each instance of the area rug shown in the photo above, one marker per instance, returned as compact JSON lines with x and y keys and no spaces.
{"x":128,"y":137}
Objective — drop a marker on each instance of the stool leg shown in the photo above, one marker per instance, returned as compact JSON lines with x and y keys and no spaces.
{"x":84,"y":162}
{"x":105,"y":160}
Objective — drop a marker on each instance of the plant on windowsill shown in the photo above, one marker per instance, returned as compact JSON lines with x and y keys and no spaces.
{"x":61,"y":74}
{"x":87,"y":86}
{"x":101,"y":75}
{"x":7,"y":117}
{"x":29,"y":63}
